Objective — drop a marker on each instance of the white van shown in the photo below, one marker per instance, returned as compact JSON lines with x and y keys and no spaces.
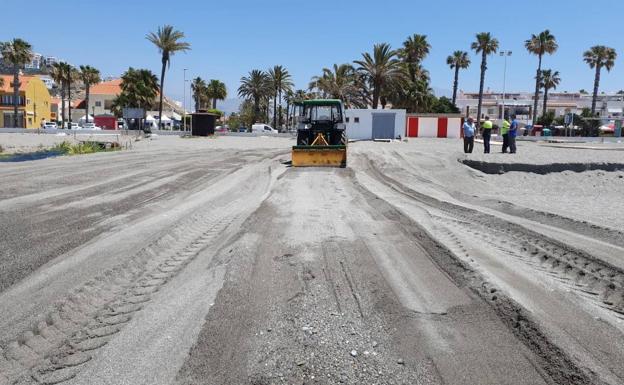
{"x":261,"y":127}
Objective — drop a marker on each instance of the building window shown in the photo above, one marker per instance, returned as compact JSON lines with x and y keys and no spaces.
{"x":28,"y":101}
{"x":98,"y":103}
{"x":356,"y":120}
{"x":347,"y":119}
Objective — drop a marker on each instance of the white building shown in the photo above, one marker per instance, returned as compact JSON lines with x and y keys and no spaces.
{"x":521,"y":104}
{"x":50,"y":60}
{"x":35,"y":63}
{"x":366,"y":124}
{"x":47,"y":79}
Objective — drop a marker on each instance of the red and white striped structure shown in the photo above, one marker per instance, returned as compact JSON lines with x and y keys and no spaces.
{"x":428,"y":126}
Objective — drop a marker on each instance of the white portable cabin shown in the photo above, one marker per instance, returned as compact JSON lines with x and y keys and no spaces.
{"x":368,"y":124}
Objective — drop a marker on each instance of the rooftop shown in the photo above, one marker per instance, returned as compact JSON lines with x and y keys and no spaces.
{"x":8,"y":81}
{"x":111,"y":87}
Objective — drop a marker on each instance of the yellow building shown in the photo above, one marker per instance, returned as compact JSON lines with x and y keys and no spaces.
{"x":34,"y":102}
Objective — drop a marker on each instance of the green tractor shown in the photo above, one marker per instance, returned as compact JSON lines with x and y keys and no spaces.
{"x":321,"y":134}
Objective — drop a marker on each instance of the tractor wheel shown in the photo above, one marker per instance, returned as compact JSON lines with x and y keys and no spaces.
{"x":302,"y":140}
{"x":343,"y":139}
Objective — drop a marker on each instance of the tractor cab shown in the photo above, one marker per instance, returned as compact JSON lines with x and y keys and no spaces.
{"x":322,"y":116}
{"x":321,"y":134}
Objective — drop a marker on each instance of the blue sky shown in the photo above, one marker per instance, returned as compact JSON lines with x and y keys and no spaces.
{"x":229,"y":38}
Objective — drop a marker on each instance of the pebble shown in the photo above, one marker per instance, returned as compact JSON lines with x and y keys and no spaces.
{"x":354,"y":353}
{"x":375,"y":344}
{"x":400,"y":361}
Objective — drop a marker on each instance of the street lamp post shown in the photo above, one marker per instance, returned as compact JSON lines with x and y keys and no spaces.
{"x":184,"y":101}
{"x":504,"y":54}
{"x":191,"y":102}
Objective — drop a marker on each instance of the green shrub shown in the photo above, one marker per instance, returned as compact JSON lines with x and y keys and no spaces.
{"x":68,"y":148}
{"x":215,"y":111}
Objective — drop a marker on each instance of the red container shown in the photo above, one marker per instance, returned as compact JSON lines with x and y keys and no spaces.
{"x":106,"y":122}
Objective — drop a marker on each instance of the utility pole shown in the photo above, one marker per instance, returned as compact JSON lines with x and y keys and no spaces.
{"x":504,"y":54}
{"x":191,"y":123}
{"x":184,"y":101}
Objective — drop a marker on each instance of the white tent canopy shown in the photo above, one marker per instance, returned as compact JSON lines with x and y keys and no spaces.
{"x":165,"y":119}
{"x":175,"y":116}
{"x":150,"y":118}
{"x":83,"y":119}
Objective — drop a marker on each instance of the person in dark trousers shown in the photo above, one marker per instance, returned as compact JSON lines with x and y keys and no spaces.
{"x":469,"y":132}
{"x":505,"y":134}
{"x":513,"y":132}
{"x":487,"y":134}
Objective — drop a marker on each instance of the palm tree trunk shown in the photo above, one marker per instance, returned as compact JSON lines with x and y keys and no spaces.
{"x":87,"y":102}
{"x":214,"y":103}
{"x":275,"y":109}
{"x":69,"y":117}
{"x":481,"y":84}
{"x":545,"y":101}
{"x":287,"y":114}
{"x":595,"y":95}
{"x":455,"y":84}
{"x":279,"y":116}
{"x":256,"y":109}
{"x":63,"y":103}
{"x":537,"y":88}
{"x":162,"y":86}
{"x":16,"y":86}
{"x":376,"y":93}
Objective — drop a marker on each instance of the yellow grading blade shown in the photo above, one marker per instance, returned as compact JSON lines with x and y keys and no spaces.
{"x":319,"y":156}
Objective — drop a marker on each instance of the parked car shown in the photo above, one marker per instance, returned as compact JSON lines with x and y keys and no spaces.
{"x":90,"y":126}
{"x":50,"y":126}
{"x":260,"y":127}
{"x":243,"y":129}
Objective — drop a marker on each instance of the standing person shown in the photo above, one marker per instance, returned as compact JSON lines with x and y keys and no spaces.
{"x":513,"y":132}
{"x":487,"y":134}
{"x":505,"y":134}
{"x":469,"y":132}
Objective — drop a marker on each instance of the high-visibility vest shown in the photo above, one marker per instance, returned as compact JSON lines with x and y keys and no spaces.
{"x":505,"y":128}
{"x":487,"y":125}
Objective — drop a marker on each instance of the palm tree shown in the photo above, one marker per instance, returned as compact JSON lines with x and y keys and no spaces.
{"x":168,"y":42}
{"x":256,"y":86}
{"x":216,"y":90}
{"x":414,"y":51}
{"x":379,"y":69}
{"x":281,"y":82}
{"x":139,"y":88}
{"x":543,"y":43}
{"x":198,"y":86}
{"x":58,"y":72}
{"x":597,"y":57}
{"x":18,"y":53}
{"x":89,"y":76}
{"x":458,"y":60}
{"x":486,"y":45}
{"x":341,"y":82}
{"x":549,"y":80}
